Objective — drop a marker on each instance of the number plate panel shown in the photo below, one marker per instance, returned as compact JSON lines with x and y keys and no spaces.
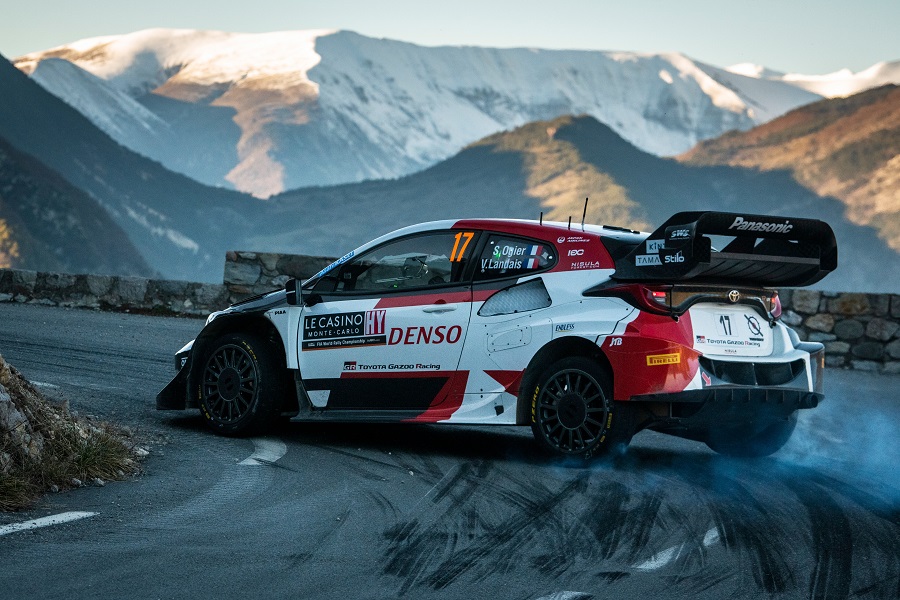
{"x":730,"y":331}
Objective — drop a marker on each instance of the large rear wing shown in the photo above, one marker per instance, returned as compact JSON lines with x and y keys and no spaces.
{"x":760,"y":250}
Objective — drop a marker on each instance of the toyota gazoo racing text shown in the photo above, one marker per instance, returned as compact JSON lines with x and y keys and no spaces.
{"x":588,"y":334}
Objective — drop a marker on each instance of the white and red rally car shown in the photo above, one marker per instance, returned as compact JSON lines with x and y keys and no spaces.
{"x":588,"y":334}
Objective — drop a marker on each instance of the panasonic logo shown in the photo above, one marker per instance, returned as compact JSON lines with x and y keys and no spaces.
{"x":741,"y":225}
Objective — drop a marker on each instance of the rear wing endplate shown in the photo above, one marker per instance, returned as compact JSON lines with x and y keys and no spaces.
{"x":759,"y":249}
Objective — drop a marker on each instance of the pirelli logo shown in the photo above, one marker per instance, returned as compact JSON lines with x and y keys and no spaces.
{"x":654,"y":360}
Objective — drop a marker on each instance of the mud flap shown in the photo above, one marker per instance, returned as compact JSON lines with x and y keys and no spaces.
{"x":174,"y":395}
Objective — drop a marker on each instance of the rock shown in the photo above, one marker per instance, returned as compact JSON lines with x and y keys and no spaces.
{"x":850,"y":305}
{"x":865,"y":365}
{"x":893,"y":349}
{"x":806,"y":301}
{"x":23,"y":281}
{"x":131,"y":290}
{"x":99,"y":285}
{"x":849,"y":329}
{"x":247,"y":255}
{"x":835,"y":361}
{"x":881,"y":304}
{"x":212,"y":296}
{"x":892,"y":368}
{"x":6,"y":297}
{"x":791,"y":318}
{"x":895,"y":306}
{"x":241,"y":273}
{"x":837,"y":348}
{"x":75,"y":482}
{"x":56,"y":281}
{"x":54,"y":489}
{"x":820,"y":322}
{"x":881,"y":329}
{"x":269,"y":261}
{"x":868,"y":350}
{"x":98,"y":482}
{"x":822,"y":337}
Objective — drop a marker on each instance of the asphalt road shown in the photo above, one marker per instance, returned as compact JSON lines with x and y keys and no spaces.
{"x":424,"y":511}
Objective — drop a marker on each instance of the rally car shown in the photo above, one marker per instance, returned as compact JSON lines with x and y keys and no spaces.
{"x":586,"y":333}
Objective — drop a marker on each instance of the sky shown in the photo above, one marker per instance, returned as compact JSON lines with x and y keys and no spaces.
{"x":795,"y":36}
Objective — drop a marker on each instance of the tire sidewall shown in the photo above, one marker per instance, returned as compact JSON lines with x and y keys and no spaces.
{"x":260,"y":412}
{"x":590,"y":367}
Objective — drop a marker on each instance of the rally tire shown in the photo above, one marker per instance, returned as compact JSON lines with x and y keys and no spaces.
{"x":240,"y":389}
{"x":749,"y":443}
{"x":573,"y":414}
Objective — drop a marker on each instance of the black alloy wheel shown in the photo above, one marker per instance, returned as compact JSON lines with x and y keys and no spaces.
{"x":241,"y":389}
{"x":572,"y":412}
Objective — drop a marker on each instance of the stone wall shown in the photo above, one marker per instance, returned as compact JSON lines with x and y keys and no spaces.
{"x":112,"y":292}
{"x":860,"y":331}
{"x":250,"y":273}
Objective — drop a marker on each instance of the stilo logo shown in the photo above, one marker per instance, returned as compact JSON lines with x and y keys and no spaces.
{"x":734,"y":296}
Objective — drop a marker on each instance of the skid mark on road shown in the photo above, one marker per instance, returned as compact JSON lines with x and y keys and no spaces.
{"x":661,"y":559}
{"x":266,"y":451}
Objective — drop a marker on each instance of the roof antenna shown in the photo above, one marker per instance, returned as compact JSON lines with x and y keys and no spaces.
{"x":584,"y":214}
{"x":570,"y":222}
{"x":542,"y":218}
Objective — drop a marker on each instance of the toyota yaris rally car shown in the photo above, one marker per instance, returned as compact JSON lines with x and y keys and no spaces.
{"x":587,"y":334}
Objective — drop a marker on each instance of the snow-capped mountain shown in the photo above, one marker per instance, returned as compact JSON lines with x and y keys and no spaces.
{"x":833,"y":85}
{"x":275,"y":111}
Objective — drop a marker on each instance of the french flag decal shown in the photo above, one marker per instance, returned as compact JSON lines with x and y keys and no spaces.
{"x":535,"y":252}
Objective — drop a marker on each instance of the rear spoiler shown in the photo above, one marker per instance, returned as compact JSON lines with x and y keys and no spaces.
{"x":765,"y":251}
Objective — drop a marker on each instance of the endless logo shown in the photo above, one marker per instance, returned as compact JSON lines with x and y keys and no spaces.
{"x":741,"y":225}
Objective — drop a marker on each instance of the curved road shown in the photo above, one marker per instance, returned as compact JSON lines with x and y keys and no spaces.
{"x":422,"y":511}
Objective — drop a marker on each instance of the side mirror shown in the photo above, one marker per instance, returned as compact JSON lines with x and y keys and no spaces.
{"x":291,"y":288}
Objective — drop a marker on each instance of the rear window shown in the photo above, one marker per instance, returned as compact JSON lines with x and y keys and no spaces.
{"x":508,"y":256}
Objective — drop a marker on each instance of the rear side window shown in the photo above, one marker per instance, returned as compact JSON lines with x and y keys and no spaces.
{"x":508,"y":256}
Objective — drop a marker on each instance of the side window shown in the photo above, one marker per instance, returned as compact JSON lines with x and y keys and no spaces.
{"x":506,"y":256}
{"x":419,"y":261}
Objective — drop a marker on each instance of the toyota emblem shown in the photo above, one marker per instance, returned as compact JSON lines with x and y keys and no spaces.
{"x":734,"y":296}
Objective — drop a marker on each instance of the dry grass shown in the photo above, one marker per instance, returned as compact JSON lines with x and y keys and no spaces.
{"x":53,"y":449}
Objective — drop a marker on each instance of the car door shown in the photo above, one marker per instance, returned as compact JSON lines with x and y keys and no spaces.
{"x":389,"y":329}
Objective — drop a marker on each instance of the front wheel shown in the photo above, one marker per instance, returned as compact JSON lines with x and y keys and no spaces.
{"x":572,"y":411}
{"x":241,"y":390}
{"x":750,"y":443}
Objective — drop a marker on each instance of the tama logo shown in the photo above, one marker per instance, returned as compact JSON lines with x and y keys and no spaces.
{"x":741,"y":225}
{"x":675,"y":258}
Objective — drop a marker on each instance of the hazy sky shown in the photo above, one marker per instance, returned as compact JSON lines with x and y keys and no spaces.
{"x":805,"y":36}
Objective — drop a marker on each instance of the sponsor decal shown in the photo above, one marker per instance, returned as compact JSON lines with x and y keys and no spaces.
{"x":354,"y":366}
{"x":615,"y":341}
{"x":647,"y":260}
{"x":560,"y":240}
{"x":565,"y":327}
{"x":654,"y":360}
{"x":734,"y":296}
{"x":654,"y":246}
{"x":410,"y":336}
{"x":585,"y":264}
{"x":573,"y":239}
{"x":280,"y":311}
{"x":336,"y":263}
{"x":183,"y":360}
{"x":753,"y":325}
{"x":706,"y":378}
{"x":364,"y":328}
{"x":576,"y":252}
{"x":674,"y":258}
{"x":680,"y":234}
{"x":701,"y":339}
{"x":741,"y":225}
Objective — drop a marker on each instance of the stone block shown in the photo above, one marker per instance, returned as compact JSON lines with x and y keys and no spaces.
{"x":278,"y":282}
{"x":817,"y":336}
{"x":835,"y":361}
{"x":837,"y":348}
{"x":868,"y":350}
{"x":865,"y":365}
{"x":806,"y":301}
{"x":131,"y":290}
{"x":241,"y":273}
{"x":211,"y":295}
{"x":6,"y":297}
{"x":895,"y":306}
{"x":881,"y":304}
{"x":99,"y":285}
{"x":247,"y":255}
{"x":893,"y":349}
{"x":850,"y":304}
{"x":881,"y":329}
{"x":786,"y":295}
{"x":302,"y":267}
{"x":55,"y":282}
{"x":269,"y":262}
{"x":791,"y":318}
{"x":892,"y":368}
{"x":849,"y":329}
{"x":23,"y":282}
{"x":820,"y":322}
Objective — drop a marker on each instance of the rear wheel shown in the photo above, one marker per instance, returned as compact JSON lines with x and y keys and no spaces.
{"x":241,"y":390}
{"x":572,"y":411}
{"x":753,"y":443}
